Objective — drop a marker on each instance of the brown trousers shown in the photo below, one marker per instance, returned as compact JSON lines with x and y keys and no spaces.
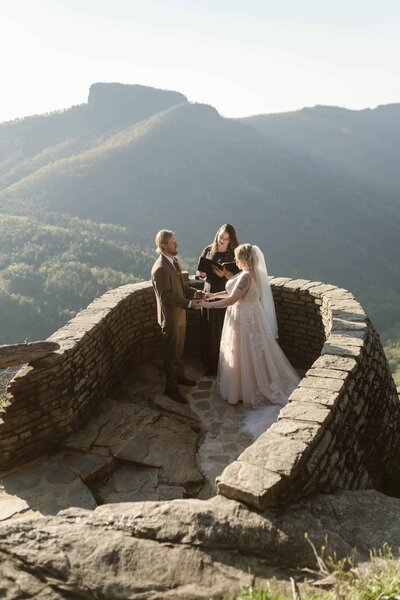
{"x":174,"y":344}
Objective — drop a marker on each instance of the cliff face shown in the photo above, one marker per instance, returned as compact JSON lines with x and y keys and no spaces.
{"x":116,"y":96}
{"x":115,"y":103}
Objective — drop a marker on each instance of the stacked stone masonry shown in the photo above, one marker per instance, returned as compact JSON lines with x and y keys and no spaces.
{"x":52,"y":397}
{"x":340,"y":426}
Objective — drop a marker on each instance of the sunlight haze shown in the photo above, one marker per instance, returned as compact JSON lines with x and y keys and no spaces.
{"x":242,"y":57}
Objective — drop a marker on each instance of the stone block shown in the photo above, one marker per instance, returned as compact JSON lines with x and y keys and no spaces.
{"x":310,"y":284}
{"x":338,"y":292}
{"x":319,"y":290}
{"x":312,"y":395}
{"x":341,"y":350}
{"x":296,"y":284}
{"x":255,"y":486}
{"x":297,"y":430}
{"x":318,"y":451}
{"x":347,"y":338}
{"x":336,"y":362}
{"x":275,"y":453}
{"x":322,"y":383}
{"x":347,"y":309}
{"x":305,"y":412}
{"x":346,"y":324}
{"x":279,"y":281}
{"x":331,"y":373}
{"x":324,"y":397}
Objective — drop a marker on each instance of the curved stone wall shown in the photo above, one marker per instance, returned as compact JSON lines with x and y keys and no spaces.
{"x":339,"y":427}
{"x":52,"y":397}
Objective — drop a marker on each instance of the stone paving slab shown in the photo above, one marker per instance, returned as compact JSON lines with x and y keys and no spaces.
{"x":139,"y":445}
{"x":86,"y":465}
{"x":166,"y":443}
{"x":134,"y":484}
{"x":183,"y":410}
{"x":222,"y":441}
{"x":46,"y":486}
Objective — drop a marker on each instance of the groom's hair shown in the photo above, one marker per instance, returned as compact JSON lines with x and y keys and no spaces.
{"x":162,"y":237}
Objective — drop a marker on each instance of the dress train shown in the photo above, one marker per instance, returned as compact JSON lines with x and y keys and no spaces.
{"x":260,"y":419}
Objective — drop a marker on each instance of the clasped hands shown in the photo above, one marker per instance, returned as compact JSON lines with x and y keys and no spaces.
{"x":208,"y":296}
{"x":199,"y":299}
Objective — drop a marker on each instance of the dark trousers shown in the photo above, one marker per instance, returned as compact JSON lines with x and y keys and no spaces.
{"x":174,"y":344}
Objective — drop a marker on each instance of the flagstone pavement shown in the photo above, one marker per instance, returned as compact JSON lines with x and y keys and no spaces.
{"x":138,"y":445}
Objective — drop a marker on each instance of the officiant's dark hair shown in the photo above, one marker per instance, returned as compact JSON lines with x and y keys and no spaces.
{"x":233,"y":241}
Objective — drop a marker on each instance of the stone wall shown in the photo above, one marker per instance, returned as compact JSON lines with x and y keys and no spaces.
{"x":341,"y":425}
{"x":53,"y":396}
{"x":338,"y":429}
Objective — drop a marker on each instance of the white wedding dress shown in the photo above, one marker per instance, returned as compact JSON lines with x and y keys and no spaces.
{"x":252,"y":366}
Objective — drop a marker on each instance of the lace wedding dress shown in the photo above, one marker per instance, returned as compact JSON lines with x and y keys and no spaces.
{"x":252,"y":366}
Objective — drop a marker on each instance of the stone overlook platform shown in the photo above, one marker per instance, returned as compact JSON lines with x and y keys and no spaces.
{"x":92,"y":414}
{"x":139,"y":446}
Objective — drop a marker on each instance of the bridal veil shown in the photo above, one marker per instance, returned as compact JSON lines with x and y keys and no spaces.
{"x":262,"y":281}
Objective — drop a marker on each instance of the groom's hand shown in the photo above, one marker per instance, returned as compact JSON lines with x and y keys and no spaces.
{"x":196,"y":304}
{"x":199,"y":294}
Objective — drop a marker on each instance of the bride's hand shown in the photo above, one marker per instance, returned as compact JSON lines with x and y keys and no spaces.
{"x":205,"y":304}
{"x":208,"y":296}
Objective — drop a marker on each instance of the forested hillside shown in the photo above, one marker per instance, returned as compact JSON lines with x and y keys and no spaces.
{"x":49,"y":271}
{"x":317,"y":189}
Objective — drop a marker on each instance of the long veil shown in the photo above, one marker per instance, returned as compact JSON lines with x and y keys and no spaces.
{"x":262,"y":281}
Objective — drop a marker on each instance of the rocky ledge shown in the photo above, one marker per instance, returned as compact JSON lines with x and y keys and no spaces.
{"x":190,"y":549}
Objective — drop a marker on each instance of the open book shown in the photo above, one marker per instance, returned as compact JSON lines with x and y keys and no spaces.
{"x":206,"y":264}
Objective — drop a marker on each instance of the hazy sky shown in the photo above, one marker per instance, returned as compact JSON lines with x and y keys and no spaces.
{"x":242,"y":56}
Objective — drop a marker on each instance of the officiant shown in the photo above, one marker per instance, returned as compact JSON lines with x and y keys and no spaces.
{"x":219,"y":267}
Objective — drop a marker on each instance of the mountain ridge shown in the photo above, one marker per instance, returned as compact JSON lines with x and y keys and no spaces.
{"x":321,"y":199}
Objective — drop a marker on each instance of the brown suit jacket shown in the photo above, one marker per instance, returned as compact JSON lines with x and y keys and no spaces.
{"x":171,"y":293}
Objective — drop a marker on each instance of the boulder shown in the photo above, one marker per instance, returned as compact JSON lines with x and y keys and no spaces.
{"x":188,"y":549}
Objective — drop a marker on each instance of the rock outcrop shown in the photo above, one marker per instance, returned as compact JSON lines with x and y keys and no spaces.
{"x":188,"y":549}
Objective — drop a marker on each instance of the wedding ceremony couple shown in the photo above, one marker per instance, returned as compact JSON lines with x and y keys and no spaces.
{"x":239,"y":327}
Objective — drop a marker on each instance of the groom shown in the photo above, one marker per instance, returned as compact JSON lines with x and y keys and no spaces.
{"x":173,"y":298}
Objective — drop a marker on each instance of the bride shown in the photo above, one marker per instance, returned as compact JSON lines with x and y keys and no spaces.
{"x":252,"y":367}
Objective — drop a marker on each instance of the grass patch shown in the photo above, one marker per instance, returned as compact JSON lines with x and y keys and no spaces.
{"x":5,"y":377}
{"x":379,"y":579}
{"x":267,"y":593}
{"x":3,"y":401}
{"x":392,"y":351}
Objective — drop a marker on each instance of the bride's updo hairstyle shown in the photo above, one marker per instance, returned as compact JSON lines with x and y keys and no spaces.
{"x":244,"y":255}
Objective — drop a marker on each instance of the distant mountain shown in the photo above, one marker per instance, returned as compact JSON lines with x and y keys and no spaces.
{"x":28,"y":144}
{"x":363,"y":144}
{"x":317,"y":189}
